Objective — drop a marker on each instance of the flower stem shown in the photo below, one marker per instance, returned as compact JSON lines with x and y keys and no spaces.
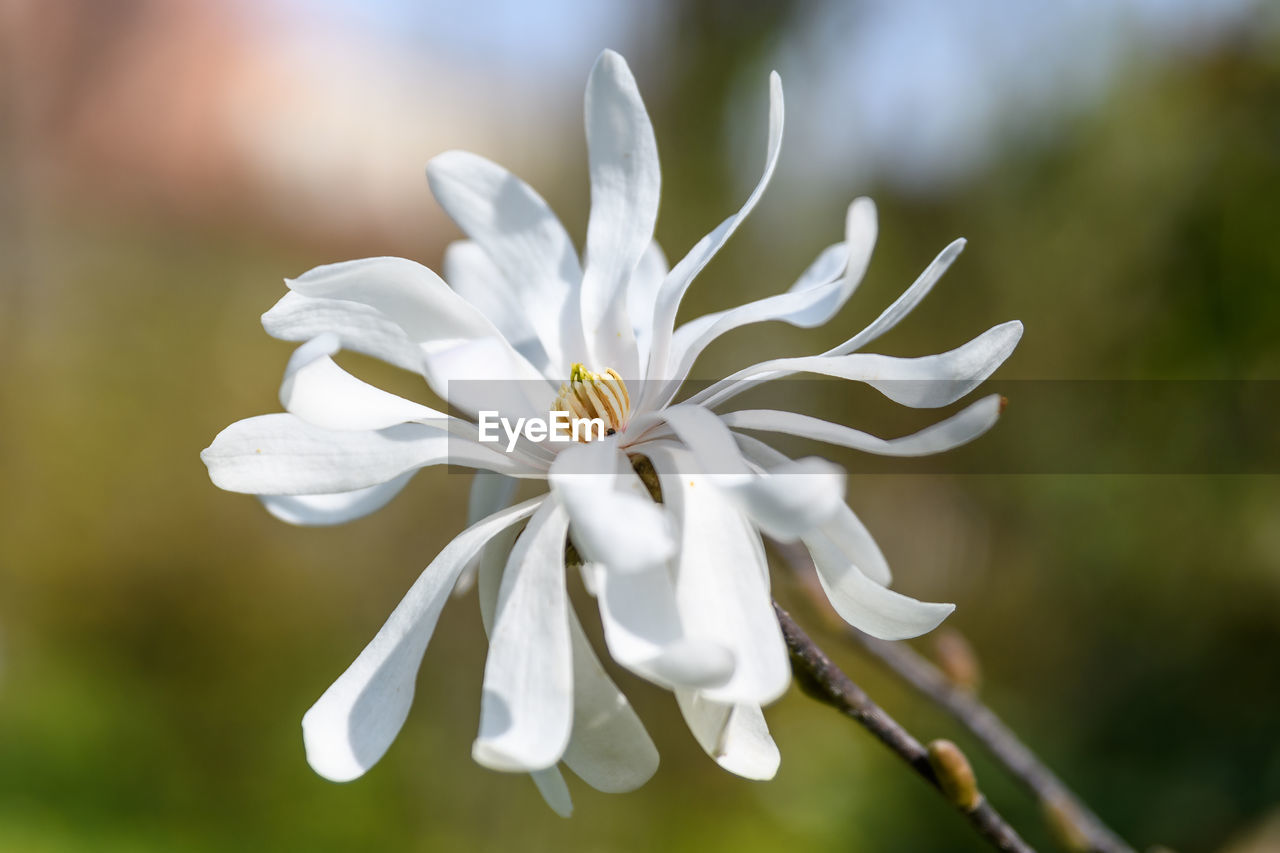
{"x":835,"y":688}
{"x":1075,"y":825}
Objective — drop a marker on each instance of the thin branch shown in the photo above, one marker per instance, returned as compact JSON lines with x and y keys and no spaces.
{"x":834,"y":687}
{"x":1075,"y":824}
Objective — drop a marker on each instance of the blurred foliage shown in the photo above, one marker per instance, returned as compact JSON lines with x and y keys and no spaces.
{"x":161,"y":639}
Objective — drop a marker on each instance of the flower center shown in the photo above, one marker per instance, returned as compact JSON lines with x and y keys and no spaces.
{"x":595,"y":395}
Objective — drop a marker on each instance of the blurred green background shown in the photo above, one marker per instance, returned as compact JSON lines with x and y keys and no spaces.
{"x":1115,"y":167}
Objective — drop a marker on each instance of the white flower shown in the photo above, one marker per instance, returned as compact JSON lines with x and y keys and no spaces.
{"x":682,"y":585}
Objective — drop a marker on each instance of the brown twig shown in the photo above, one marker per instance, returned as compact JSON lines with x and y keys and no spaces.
{"x":833,"y":686}
{"x":1074,"y":823}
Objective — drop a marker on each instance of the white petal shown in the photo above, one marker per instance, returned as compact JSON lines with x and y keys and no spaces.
{"x":458,"y":343}
{"x":625,"y":183}
{"x":904,"y":304}
{"x":324,"y":510}
{"x":359,"y":327}
{"x":867,"y":605}
{"x":956,"y":430}
{"x":843,"y":527}
{"x":784,"y":501}
{"x":736,"y":736}
{"x":490,"y":492}
{"x":322,"y":393}
{"x":551,"y":786}
{"x":622,"y":528}
{"x":810,"y":302}
{"x":678,"y":280}
{"x":722,"y":581}
{"x":608,"y":747}
{"x":526,"y":711}
{"x":928,"y":382}
{"x":351,"y":726}
{"x":889,"y":318}
{"x":284,"y":455}
{"x":645,"y":633}
{"x":519,"y":232}
{"x":642,"y":296}
{"x":470,"y":271}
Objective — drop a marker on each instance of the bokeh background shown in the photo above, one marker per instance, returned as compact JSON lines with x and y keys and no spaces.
{"x":165,"y":163}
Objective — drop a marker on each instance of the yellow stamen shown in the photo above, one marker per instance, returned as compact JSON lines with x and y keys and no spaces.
{"x":591,"y":395}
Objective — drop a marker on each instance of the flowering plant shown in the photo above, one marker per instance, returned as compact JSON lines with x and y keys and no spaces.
{"x":663,"y":513}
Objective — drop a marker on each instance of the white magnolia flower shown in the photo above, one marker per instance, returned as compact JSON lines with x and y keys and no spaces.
{"x":682,"y":585}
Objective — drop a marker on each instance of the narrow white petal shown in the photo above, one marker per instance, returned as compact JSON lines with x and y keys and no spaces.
{"x":678,"y":280}
{"x":351,"y":726}
{"x":321,"y":393}
{"x":621,"y":528}
{"x":784,"y":500}
{"x":645,"y":633}
{"x":490,"y":492}
{"x":526,"y":711}
{"x":736,"y":736}
{"x":928,"y":382}
{"x":811,"y":301}
{"x":458,"y":343}
{"x":359,"y":327}
{"x":889,"y":318}
{"x":554,"y":791}
{"x":519,"y":232}
{"x":722,"y":581}
{"x":324,"y":510}
{"x":867,"y":605}
{"x":470,"y":271}
{"x":625,"y":184}
{"x":608,"y":746}
{"x":904,"y":304}
{"x":843,"y":527}
{"x":956,"y":430}
{"x":642,"y":296}
{"x":283,"y":455}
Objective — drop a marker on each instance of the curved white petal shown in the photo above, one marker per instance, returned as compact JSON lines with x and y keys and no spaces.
{"x":554,"y":791}
{"x":904,"y":304}
{"x":359,"y":327}
{"x":642,"y":296}
{"x":608,"y":748}
{"x":843,"y":527}
{"x":325,"y":510}
{"x":625,"y":183}
{"x":722,"y":584}
{"x":283,"y":455}
{"x":526,"y":710}
{"x":678,"y":280}
{"x":784,"y":501}
{"x":523,"y":237}
{"x":621,"y":528}
{"x":811,"y":301}
{"x":351,"y":726}
{"x":865,"y":604}
{"x":645,"y":633}
{"x":490,"y":492}
{"x":956,"y":430}
{"x":460,"y":347}
{"x":736,"y":736}
{"x":470,"y":271}
{"x":321,"y":393}
{"x":927,"y":382}
{"x":890,"y":317}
